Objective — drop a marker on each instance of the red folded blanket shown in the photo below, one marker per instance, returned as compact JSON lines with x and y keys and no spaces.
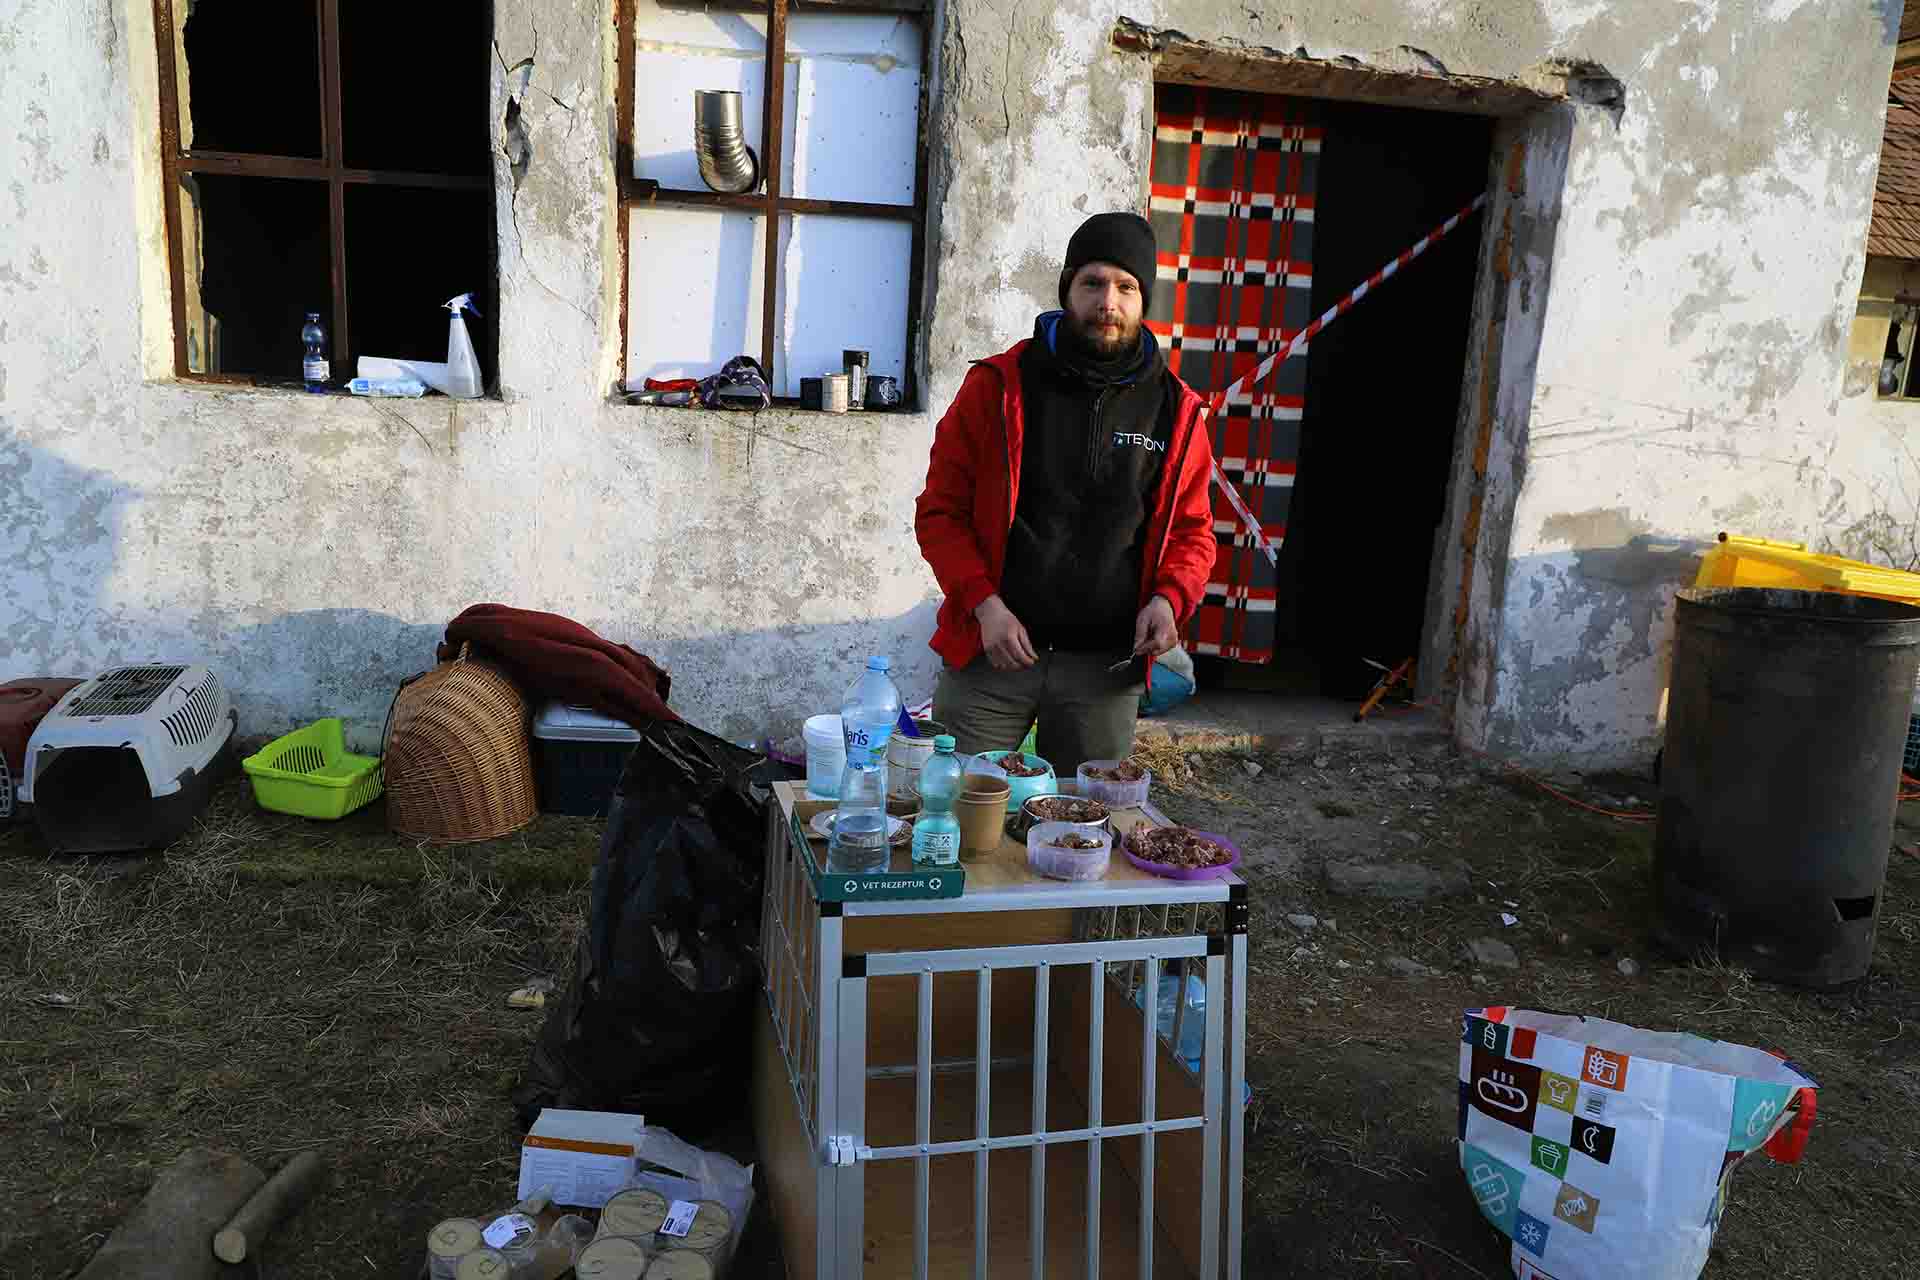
{"x":549,"y":656}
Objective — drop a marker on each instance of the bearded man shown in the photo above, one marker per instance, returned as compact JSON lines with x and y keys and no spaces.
{"x":1066,"y":515}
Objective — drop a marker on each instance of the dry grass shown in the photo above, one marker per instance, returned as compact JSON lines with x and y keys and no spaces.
{"x":268,"y":985}
{"x":1351,"y":1163}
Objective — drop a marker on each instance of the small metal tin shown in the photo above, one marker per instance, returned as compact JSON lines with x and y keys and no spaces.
{"x":833,"y":393}
{"x":484,"y":1264}
{"x":637,"y":1211}
{"x":449,"y":1242}
{"x":681,"y":1264}
{"x":712,"y":1228}
{"x":612,"y":1258}
{"x":810,"y":393}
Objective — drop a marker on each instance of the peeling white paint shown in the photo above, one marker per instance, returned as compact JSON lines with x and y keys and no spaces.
{"x":1674,"y":351}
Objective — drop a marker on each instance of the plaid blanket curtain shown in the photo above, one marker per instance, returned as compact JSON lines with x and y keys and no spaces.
{"x":1233,"y":183}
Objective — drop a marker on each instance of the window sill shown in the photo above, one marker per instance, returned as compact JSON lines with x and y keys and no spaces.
{"x":294,"y":388}
{"x":785,"y":408}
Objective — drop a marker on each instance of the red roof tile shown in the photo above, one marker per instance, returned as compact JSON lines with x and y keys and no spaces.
{"x":1895,"y":232}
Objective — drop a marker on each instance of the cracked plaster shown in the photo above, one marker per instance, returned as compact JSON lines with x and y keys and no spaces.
{"x":1674,"y":334}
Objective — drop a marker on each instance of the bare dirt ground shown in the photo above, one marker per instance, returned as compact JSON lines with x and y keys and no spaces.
{"x":269,"y":985}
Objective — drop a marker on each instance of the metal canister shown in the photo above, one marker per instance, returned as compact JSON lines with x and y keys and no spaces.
{"x":712,"y":1228}
{"x":637,"y":1211}
{"x":612,"y":1258}
{"x":449,"y":1242}
{"x":856,"y":363}
{"x":682,"y":1264}
{"x":484,"y":1264}
{"x":833,"y":393}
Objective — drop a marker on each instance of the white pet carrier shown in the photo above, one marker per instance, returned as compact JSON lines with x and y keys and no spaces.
{"x":128,"y":759}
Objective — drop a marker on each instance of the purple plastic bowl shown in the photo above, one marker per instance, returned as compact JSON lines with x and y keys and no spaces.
{"x":1187,"y":873}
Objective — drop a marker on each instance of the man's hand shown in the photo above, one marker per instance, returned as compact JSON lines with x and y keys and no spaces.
{"x":1153,"y":631}
{"x":1007,"y":645}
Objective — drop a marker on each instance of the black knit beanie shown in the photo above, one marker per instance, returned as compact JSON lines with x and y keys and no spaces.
{"x":1124,"y":239}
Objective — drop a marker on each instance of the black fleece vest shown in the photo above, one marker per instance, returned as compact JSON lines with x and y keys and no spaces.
{"x":1090,"y":465}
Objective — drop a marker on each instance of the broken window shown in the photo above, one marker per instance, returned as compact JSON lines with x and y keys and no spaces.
{"x":821,"y":253}
{"x":329,"y":156}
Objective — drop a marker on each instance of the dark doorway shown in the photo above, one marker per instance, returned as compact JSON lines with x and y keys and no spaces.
{"x":1383,"y":386}
{"x":1382,"y":397}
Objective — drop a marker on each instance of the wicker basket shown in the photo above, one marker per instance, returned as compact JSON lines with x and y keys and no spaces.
{"x":457,"y":763}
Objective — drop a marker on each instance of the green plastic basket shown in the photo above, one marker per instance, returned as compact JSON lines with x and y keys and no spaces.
{"x":311,"y":773}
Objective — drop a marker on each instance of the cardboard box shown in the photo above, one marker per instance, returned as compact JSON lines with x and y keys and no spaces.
{"x":583,"y":1157}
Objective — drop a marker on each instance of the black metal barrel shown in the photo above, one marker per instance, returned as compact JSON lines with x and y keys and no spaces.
{"x":1786,"y":726}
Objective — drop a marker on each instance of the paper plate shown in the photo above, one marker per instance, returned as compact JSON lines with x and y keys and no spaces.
{"x":1187,"y":873}
{"x":899,"y":830}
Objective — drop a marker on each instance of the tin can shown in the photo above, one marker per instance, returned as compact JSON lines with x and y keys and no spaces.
{"x":833,"y":393}
{"x":856,"y":363}
{"x":637,"y":1211}
{"x":484,"y":1264}
{"x":681,"y":1264}
{"x":449,"y":1242}
{"x":612,"y":1258}
{"x":708,"y":1236}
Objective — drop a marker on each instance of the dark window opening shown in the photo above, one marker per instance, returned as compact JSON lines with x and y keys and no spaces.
{"x":253,"y":77}
{"x":330,"y":156}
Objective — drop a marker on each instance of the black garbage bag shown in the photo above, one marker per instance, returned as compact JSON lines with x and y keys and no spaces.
{"x":657,"y":1018}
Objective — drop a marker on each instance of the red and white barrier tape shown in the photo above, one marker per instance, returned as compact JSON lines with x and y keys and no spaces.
{"x":1300,"y":340}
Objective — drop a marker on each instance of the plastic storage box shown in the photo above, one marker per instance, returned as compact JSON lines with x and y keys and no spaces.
{"x":1055,"y":863}
{"x":579,"y":756}
{"x":310,"y":772}
{"x":23,"y":705}
{"x":1757,"y":562}
{"x":1112,"y":793}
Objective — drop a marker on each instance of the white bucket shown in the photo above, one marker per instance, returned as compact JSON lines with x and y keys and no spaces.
{"x":826,"y":756}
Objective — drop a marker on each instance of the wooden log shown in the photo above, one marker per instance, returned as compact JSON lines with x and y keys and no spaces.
{"x":165,"y":1237}
{"x":271,"y":1205}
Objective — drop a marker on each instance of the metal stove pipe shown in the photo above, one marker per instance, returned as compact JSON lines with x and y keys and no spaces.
{"x":727,"y":163}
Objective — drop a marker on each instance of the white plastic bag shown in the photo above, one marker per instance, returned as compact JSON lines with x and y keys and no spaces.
{"x":1602,"y":1150}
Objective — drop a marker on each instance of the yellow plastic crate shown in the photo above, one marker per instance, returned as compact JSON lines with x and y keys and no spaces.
{"x":1757,"y":562}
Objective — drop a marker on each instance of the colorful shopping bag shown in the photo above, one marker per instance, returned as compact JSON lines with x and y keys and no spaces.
{"x":1602,"y":1150}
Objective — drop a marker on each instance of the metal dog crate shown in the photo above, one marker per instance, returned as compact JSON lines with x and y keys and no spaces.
{"x":968,"y":1085}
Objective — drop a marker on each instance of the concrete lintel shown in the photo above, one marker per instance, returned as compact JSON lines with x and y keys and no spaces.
{"x":1416,"y":79}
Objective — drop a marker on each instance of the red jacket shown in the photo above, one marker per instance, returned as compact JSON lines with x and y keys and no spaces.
{"x":973,"y":483}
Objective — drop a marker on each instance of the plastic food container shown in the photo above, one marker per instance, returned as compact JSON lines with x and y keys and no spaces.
{"x":1050,"y":860}
{"x":1020,"y":790}
{"x":1115,"y":795}
{"x":826,"y":756}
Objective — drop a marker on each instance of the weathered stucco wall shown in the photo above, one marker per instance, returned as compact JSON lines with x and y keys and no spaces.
{"x":312,"y":548}
{"x":1674,"y":315}
{"x":1671,"y":324}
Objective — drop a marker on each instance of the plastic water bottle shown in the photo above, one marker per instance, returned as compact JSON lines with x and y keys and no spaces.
{"x":315,"y":369}
{"x":936,"y":835}
{"x":867,"y":716}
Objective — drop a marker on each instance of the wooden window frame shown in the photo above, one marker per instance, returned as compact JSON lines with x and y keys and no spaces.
{"x":637,"y":193}
{"x":329,"y":168}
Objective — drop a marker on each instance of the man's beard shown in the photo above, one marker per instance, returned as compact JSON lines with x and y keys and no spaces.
{"x":1099,"y":344}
